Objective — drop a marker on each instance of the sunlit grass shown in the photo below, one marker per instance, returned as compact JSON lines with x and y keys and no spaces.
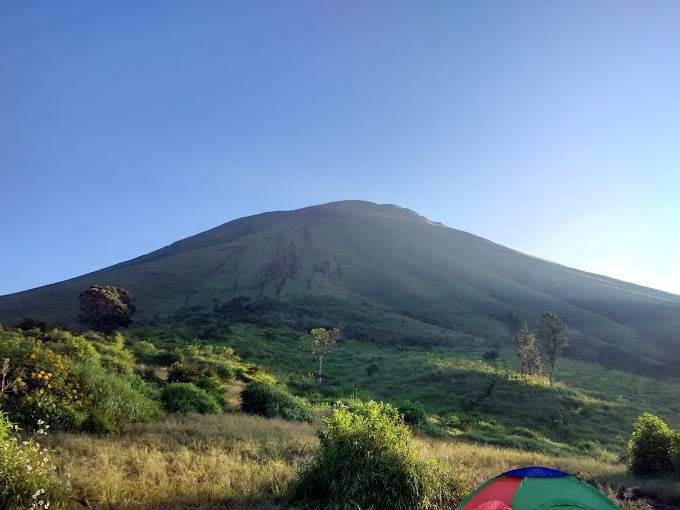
{"x":197,"y":461}
{"x":242,"y":461}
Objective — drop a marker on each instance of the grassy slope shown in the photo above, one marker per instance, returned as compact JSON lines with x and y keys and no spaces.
{"x":593,"y":415}
{"x":406,"y":268}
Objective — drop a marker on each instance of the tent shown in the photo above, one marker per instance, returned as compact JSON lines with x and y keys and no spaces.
{"x":536,"y":488}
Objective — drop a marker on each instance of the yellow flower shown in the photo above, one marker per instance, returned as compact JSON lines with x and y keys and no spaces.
{"x":42,"y":391}
{"x":33,"y":355}
{"x":23,"y":383}
{"x":19,"y":379}
{"x":49,"y":374}
{"x":39,"y":376}
{"x":49,"y":385}
{"x":42,"y":371}
{"x":74,"y":391}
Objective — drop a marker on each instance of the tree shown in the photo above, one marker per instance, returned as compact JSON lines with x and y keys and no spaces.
{"x":105,"y":309}
{"x":650,"y":447}
{"x":524,"y":343}
{"x":513,"y":324}
{"x":552,"y":341}
{"x":528,"y":352}
{"x":323,"y":341}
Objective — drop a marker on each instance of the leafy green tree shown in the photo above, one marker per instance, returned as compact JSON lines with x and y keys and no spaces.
{"x":322,"y":343}
{"x":105,"y":309}
{"x":551,"y":339}
{"x":650,"y":447}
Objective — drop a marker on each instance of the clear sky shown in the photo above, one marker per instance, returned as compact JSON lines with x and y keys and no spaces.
{"x":551,"y":127}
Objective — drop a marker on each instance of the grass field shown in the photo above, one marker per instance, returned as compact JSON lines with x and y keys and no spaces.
{"x":241,"y":461}
{"x":593,"y":414}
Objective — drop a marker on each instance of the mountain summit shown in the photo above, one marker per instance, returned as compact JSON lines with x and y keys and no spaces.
{"x":380,"y":271}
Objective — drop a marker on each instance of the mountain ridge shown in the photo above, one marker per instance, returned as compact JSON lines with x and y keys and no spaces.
{"x":351,"y":252}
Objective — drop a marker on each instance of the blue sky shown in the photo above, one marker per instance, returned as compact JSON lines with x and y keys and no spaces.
{"x":548,"y":127}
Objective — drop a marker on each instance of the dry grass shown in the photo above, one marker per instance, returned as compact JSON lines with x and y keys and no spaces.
{"x":194,"y":461}
{"x":241,"y":461}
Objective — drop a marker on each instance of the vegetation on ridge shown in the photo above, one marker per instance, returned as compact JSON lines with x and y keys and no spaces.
{"x":381,"y":274}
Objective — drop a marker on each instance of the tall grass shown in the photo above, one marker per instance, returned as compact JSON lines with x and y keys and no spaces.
{"x":244,"y":461}
{"x":197,"y":461}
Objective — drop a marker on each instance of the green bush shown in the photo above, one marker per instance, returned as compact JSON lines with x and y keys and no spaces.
{"x":225,"y":372}
{"x":414,"y":414}
{"x":145,"y":351}
{"x":650,"y":447}
{"x":367,"y":459}
{"x":98,"y":422}
{"x":675,"y":451}
{"x":76,"y":348}
{"x":187,"y":398}
{"x":118,"y":399}
{"x":27,"y":477}
{"x":180,"y":372}
{"x":211,"y":384}
{"x":115,"y":359}
{"x":268,"y":400}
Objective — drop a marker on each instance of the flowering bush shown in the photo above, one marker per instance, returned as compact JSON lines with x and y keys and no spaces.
{"x":65,"y":380}
{"x":28,"y":479}
{"x":45,"y":387}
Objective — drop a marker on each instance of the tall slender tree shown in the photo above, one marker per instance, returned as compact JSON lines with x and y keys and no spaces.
{"x":552,"y":340}
{"x":323,"y":342}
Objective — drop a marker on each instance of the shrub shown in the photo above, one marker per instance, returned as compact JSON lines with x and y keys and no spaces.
{"x":367,"y":459}
{"x":76,"y":348}
{"x":145,"y":351}
{"x":187,"y":398}
{"x":27,"y":477}
{"x":675,"y":451}
{"x":650,"y":447}
{"x":463,"y":424}
{"x":268,"y":400}
{"x":225,"y":372}
{"x":414,"y":414}
{"x":211,"y":384}
{"x":372,"y":368}
{"x":98,"y":422}
{"x":183,"y":372}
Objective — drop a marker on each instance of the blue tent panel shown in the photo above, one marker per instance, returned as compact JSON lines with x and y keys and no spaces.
{"x":536,"y":472}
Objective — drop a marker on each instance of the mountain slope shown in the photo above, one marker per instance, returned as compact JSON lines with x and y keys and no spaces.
{"x":372,"y":268}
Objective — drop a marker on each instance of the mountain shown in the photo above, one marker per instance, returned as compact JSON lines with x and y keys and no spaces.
{"x":384,"y":274}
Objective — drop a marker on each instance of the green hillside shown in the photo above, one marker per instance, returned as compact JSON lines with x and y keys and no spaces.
{"x":383,"y":274}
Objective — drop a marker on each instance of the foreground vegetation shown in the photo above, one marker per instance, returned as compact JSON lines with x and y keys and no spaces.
{"x":244,"y":461}
{"x":203,"y":428}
